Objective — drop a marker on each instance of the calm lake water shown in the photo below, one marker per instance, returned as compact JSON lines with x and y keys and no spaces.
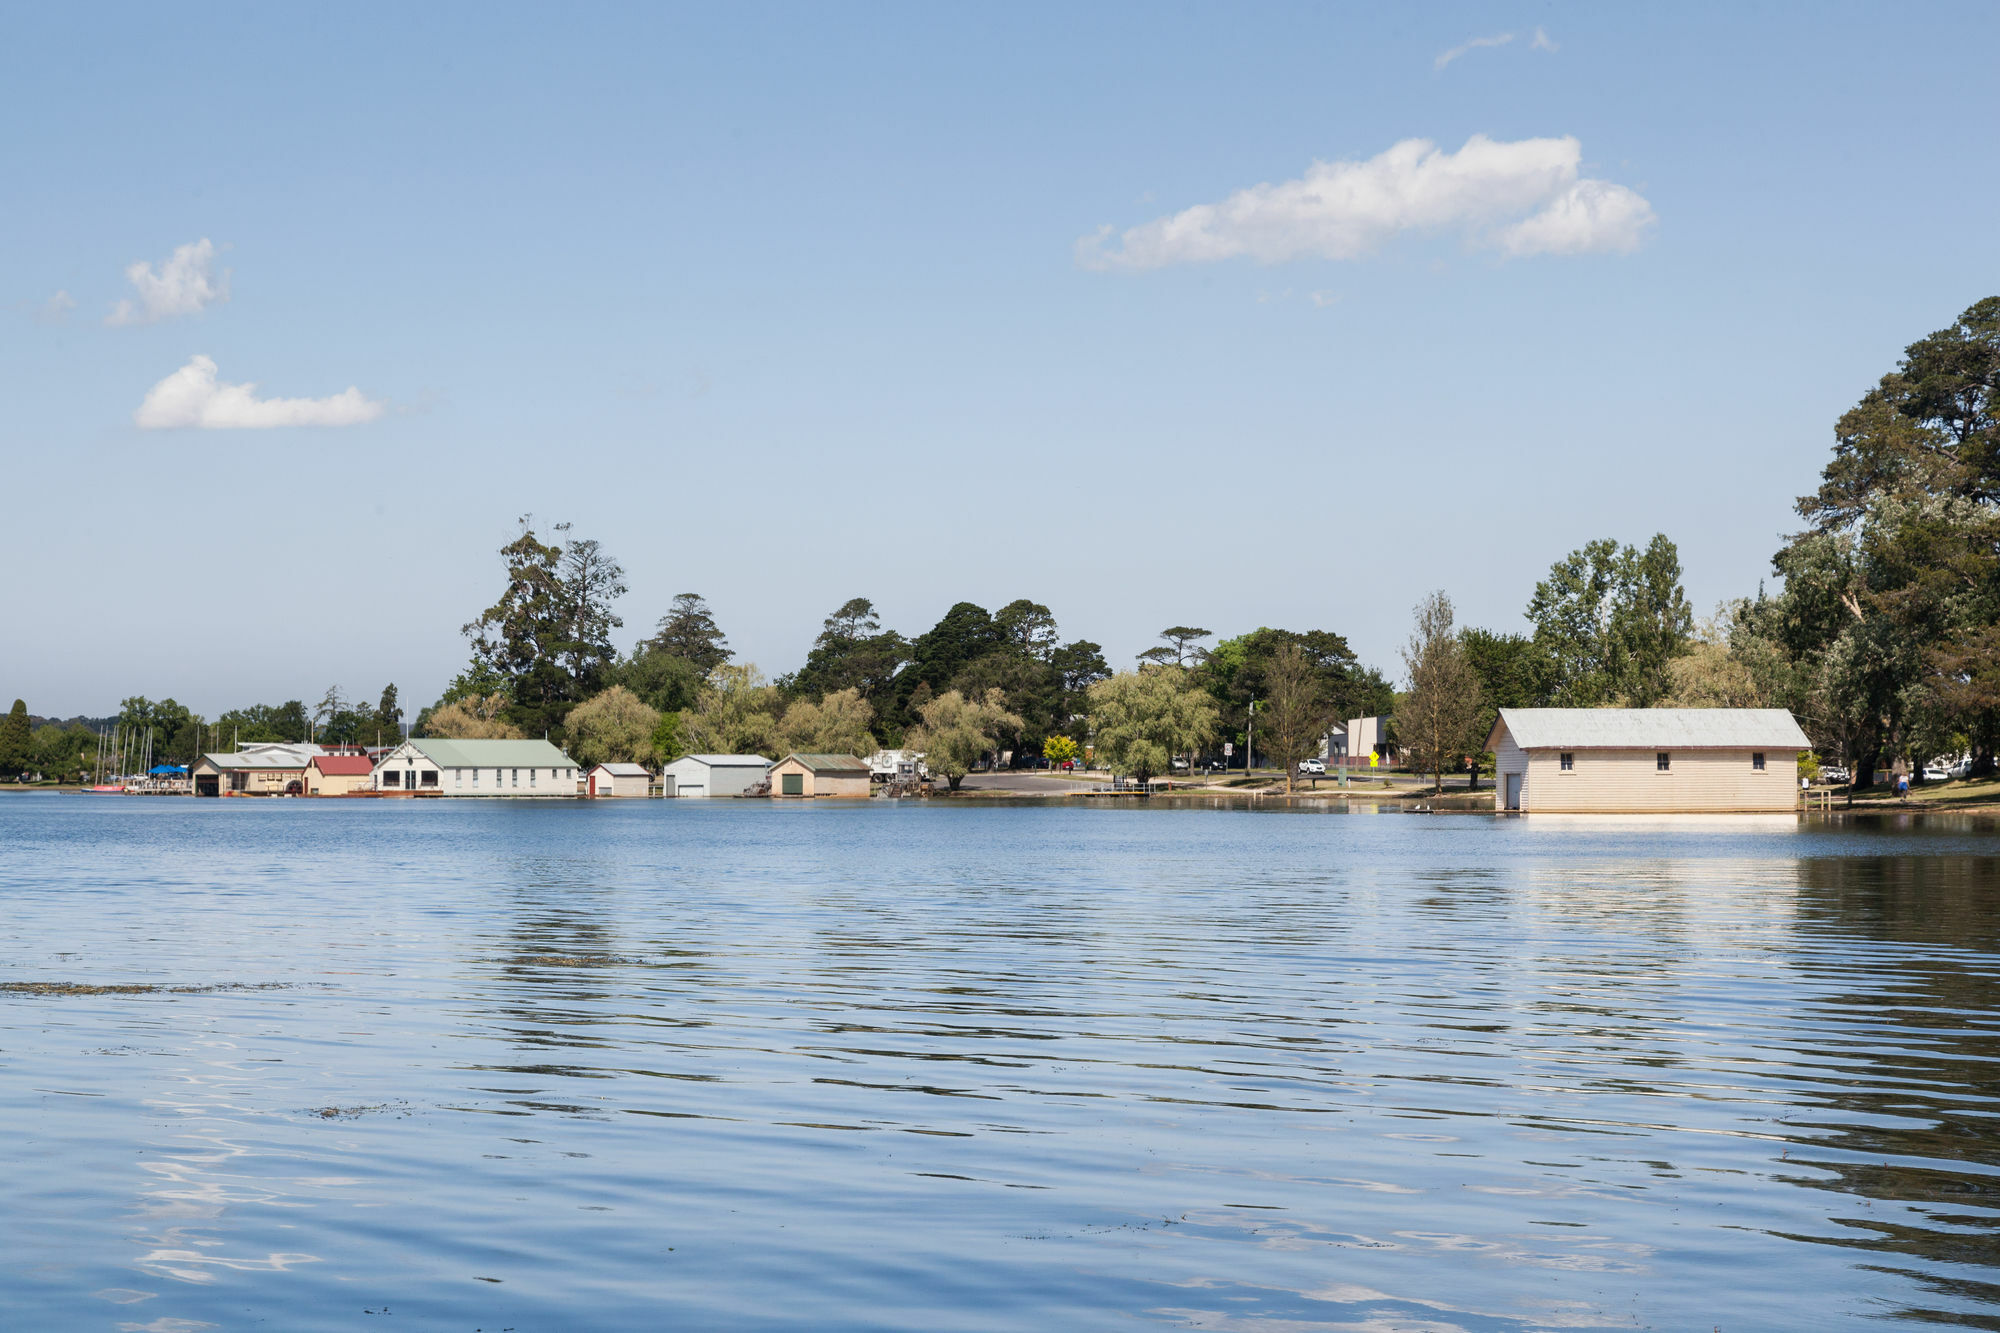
{"x":737,"y":1064}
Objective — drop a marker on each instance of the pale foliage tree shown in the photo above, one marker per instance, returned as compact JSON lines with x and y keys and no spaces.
{"x":1437,"y":722}
{"x":957,"y":732}
{"x":612,"y":727}
{"x":473,"y":718}
{"x":1710,"y":674}
{"x":1141,"y":719}
{"x":838,"y":724}
{"x":736,"y":712}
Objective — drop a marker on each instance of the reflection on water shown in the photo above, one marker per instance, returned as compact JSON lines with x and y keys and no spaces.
{"x":733,"y":1064}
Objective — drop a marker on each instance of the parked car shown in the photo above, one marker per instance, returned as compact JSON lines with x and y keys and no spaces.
{"x":1180,"y":764}
{"x":1963,"y":768}
{"x":1312,"y":766}
{"x":1936,"y":773}
{"x":1835,"y":773}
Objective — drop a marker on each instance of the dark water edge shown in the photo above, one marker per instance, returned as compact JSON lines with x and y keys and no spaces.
{"x":992,"y":1065}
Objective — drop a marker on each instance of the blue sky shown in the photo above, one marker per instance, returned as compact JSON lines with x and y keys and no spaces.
{"x":722,"y":286}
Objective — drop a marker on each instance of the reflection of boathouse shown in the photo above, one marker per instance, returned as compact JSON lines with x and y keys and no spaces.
{"x":1653,"y":760}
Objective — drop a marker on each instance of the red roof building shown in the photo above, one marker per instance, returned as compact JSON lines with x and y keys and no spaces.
{"x":338,"y":774}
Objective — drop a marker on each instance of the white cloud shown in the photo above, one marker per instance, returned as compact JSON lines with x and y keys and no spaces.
{"x":184,"y":285}
{"x":1589,"y":215}
{"x":56,"y":308}
{"x":192,"y":397}
{"x":1526,"y":197}
{"x":1542,"y":42}
{"x":1498,"y":39}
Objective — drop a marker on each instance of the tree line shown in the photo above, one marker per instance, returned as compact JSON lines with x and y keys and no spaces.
{"x":1882,"y":636}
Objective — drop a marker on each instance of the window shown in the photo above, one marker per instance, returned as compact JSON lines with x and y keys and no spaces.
{"x":1757,"y":762}
{"x":475,"y":777}
{"x":517,"y":777}
{"x":531,"y":776}
{"x":1663,"y":761}
{"x":1568,"y":761}
{"x":430,"y":777}
{"x":392,"y":778}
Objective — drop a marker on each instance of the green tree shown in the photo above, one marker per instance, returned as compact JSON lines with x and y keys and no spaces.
{"x":1893,"y":619}
{"x":525,"y":637}
{"x":1184,"y":641}
{"x":1060,"y":750}
{"x":612,"y":727}
{"x":1608,"y":622}
{"x":16,"y":751}
{"x":1437,"y":718}
{"x":388,"y":719}
{"x":1295,"y":713}
{"x":1650,"y":621}
{"x":956,"y":733}
{"x":688,"y":631}
{"x":1077,"y":667}
{"x":1141,"y":719}
{"x":854,"y":652}
{"x":664,"y":682}
{"x":667,"y":743}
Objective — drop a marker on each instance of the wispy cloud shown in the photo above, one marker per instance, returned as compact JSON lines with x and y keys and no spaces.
{"x":1542,"y":42}
{"x":192,"y":397}
{"x":1473,"y":44}
{"x":1521,"y":198}
{"x":56,"y":309}
{"x":185,"y":285}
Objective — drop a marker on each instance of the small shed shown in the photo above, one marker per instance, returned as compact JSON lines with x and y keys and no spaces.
{"x":820,"y":775}
{"x":339,"y":774}
{"x":618,"y":780}
{"x":1651,"y":760}
{"x":714,"y":774}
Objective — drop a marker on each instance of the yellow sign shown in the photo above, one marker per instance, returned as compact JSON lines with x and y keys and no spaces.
{"x":1373,"y":759}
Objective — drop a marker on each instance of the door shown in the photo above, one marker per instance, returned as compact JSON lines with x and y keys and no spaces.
{"x":794,"y":784}
{"x":1513,"y":791}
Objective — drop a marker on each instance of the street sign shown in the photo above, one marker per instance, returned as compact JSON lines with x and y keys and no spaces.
{"x":1374,"y":760}
{"x":1228,"y":748}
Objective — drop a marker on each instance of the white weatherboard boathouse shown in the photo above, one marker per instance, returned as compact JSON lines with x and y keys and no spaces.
{"x":1646,"y":760}
{"x":428,"y":766}
{"x":618,"y":780}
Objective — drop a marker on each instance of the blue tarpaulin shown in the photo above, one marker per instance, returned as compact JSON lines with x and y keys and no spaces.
{"x":166,"y":770}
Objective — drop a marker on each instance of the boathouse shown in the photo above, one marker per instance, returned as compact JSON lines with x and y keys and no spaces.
{"x":428,"y":766}
{"x":339,"y":774}
{"x":714,"y":774}
{"x":1650,"y":760}
{"x":255,"y":770}
{"x":820,"y":775}
{"x":618,"y":780}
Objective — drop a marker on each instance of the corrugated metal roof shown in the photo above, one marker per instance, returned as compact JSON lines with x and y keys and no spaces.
{"x":1651,"y":729}
{"x":828,"y":763}
{"x":625,"y":770}
{"x":492,"y":754}
{"x":343,"y":765}
{"x":268,"y":758}
{"x":726,"y":760}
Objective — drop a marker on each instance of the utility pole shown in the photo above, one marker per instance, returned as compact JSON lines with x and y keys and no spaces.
{"x":1250,"y":741}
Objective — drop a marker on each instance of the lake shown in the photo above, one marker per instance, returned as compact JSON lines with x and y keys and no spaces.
{"x":969,"y":1065}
